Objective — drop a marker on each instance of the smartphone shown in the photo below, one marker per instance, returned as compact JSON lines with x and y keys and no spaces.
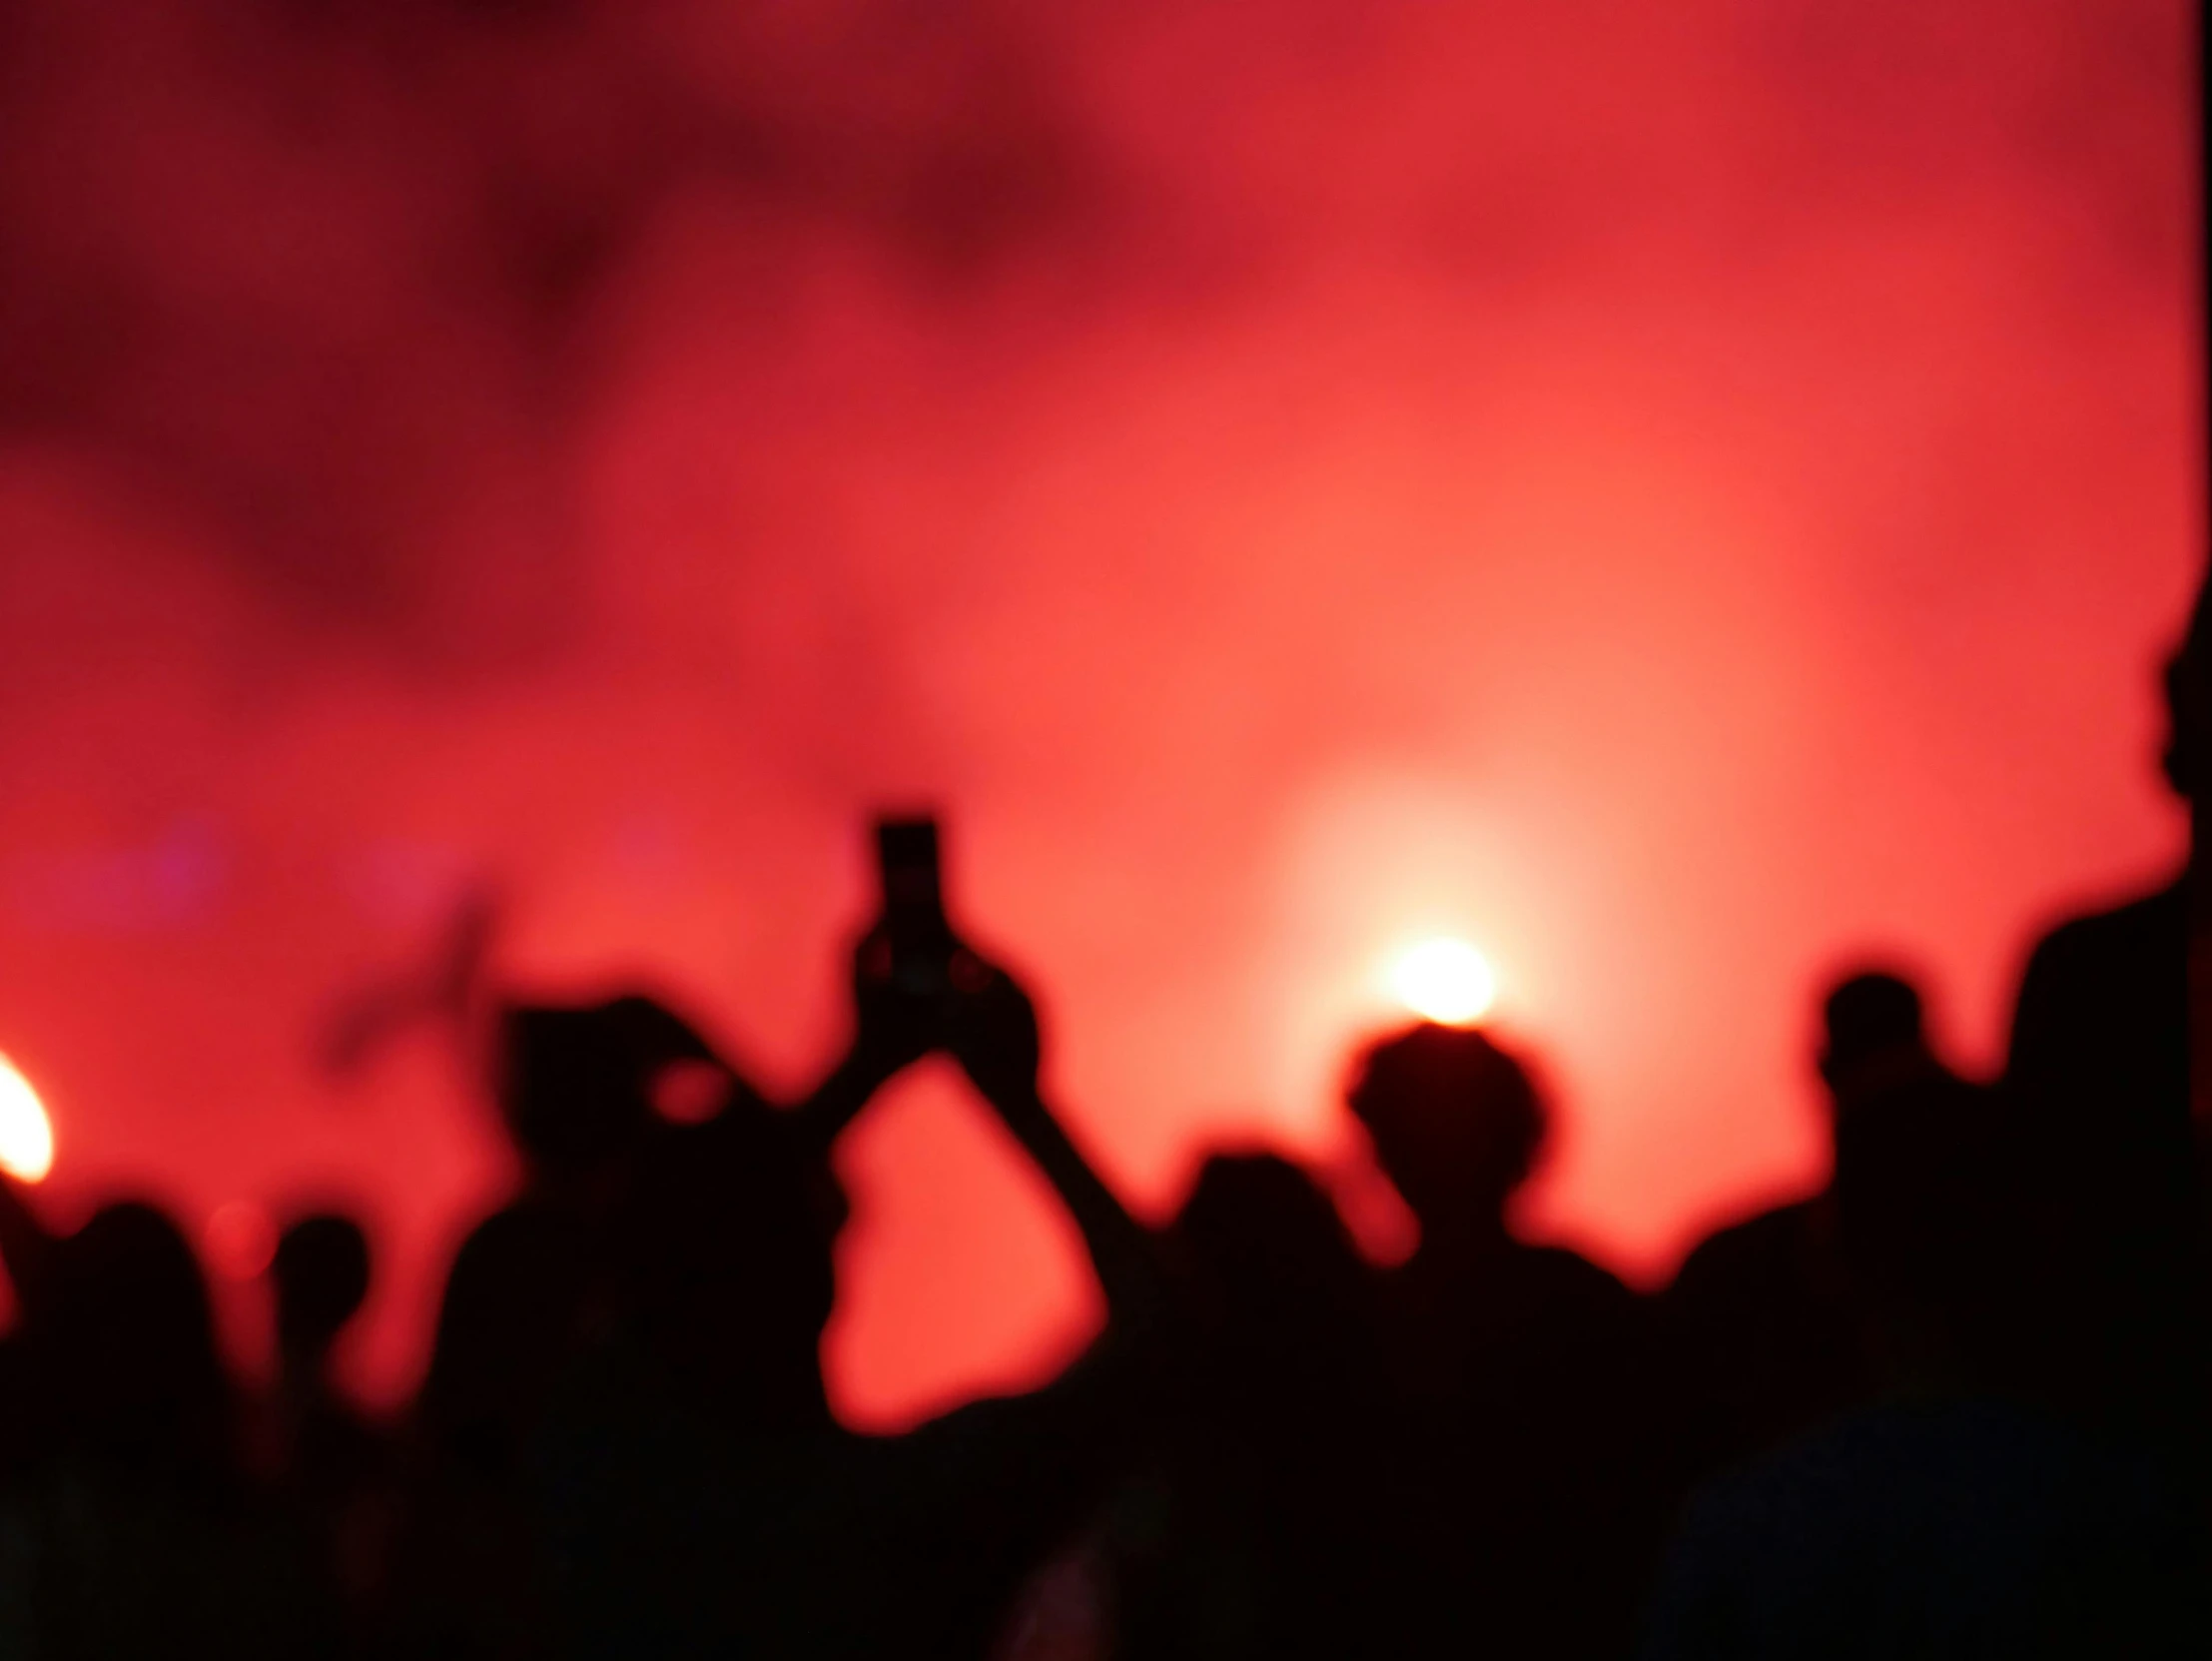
{"x":921,"y":939}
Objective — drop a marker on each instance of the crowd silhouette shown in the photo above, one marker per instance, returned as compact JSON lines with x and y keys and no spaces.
{"x":1956,"y":1403}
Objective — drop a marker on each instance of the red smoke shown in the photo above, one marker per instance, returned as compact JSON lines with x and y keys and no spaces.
{"x":1682,"y":494}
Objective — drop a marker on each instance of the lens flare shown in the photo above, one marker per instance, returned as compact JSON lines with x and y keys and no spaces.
{"x":1445,"y":980}
{"x":26,"y":1139}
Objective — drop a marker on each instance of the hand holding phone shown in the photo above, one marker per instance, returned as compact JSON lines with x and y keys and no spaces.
{"x":992,"y":1031}
{"x":902,"y":969}
{"x":919,"y":940}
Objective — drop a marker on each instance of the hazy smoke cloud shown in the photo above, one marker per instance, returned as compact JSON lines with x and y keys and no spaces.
{"x":1675,"y":493}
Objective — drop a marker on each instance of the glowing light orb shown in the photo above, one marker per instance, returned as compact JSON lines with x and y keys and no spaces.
{"x":26,"y":1139}
{"x":1445,"y":980}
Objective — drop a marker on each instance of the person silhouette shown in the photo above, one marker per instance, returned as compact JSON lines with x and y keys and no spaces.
{"x":2100,"y":1031}
{"x":700,"y":1496}
{"x":1948,"y":1517}
{"x":334,"y":1469}
{"x":142,"y":1536}
{"x":2101,"y":1150}
{"x":137,"y":1385}
{"x":1763,"y":1336}
{"x":538,"y":1282}
{"x":1522,"y":1363}
{"x":574,"y":1089}
{"x":1270,"y":1522}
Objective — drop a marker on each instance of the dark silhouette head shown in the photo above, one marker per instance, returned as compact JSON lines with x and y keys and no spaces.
{"x":1455,"y":1120}
{"x":1273,"y":1253}
{"x":1874,"y":1034}
{"x":135,"y":1376}
{"x":726,"y":1267}
{"x":576,"y":1084}
{"x":320,"y":1276}
{"x":2188,"y":689}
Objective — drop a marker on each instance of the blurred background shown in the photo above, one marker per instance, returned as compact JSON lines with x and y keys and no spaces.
{"x":1679,"y":497}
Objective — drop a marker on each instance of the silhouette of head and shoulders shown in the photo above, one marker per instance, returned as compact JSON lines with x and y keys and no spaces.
{"x":532,"y":1288}
{"x":336,"y":1471}
{"x":1458,"y":1125}
{"x":1511,"y":1352}
{"x":573,"y":1087}
{"x":1283,"y":1297}
{"x":1944,"y":1515}
{"x":136,"y":1386}
{"x":1873,"y":1041}
{"x":700,"y":1492}
{"x":2101,"y":1153}
{"x":147,"y":1540}
{"x":319,"y":1276}
{"x":1269,"y":1522}
{"x":1763,"y":1326}
{"x":2100,"y":1027}
{"x":1524,"y":1389}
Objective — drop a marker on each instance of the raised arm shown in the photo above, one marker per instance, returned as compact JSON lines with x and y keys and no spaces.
{"x":993,"y":1034}
{"x":990,"y":1025}
{"x":891,"y":1030}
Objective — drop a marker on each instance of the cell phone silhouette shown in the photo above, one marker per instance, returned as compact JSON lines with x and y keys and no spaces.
{"x":922,"y":942}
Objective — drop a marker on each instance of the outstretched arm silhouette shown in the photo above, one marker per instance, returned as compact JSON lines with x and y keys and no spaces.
{"x":892,"y":1027}
{"x":994,"y":1037}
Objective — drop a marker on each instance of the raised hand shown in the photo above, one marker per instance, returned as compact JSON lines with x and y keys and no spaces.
{"x":991,"y":1028}
{"x":894,"y":1026}
{"x":895,"y":1023}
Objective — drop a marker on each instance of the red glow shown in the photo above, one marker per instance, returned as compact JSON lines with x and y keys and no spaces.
{"x":690,"y":1093}
{"x":239,"y":1240}
{"x":1677,"y":497}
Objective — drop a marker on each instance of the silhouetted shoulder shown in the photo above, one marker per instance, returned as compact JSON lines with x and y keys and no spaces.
{"x":2154,"y":922}
{"x":1761,"y":1338}
{"x":2107,"y":993}
{"x":1572,"y":1318}
{"x":507,"y":1321}
{"x":1766,"y":1246}
{"x":1566,"y":1274}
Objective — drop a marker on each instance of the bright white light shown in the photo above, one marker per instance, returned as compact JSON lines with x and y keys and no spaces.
{"x":1445,"y":980}
{"x":26,"y":1139}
